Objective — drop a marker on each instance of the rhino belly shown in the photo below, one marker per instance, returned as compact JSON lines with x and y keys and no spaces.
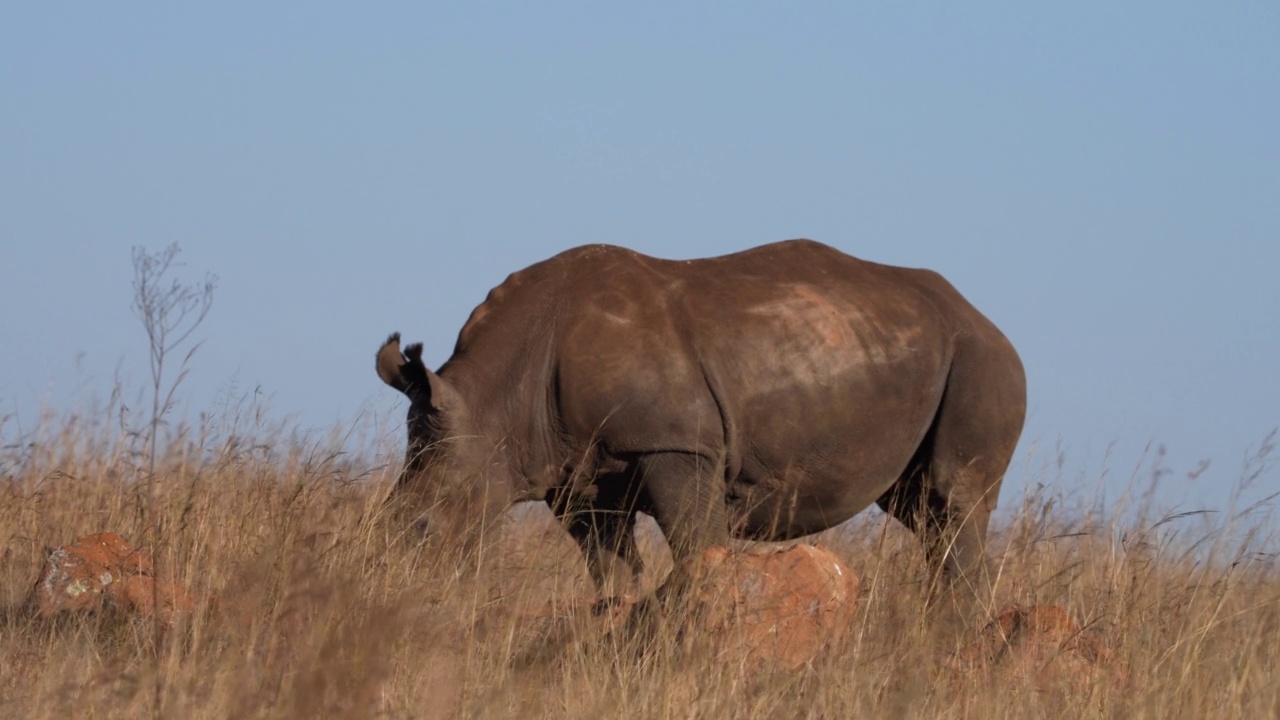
{"x":808,"y":494}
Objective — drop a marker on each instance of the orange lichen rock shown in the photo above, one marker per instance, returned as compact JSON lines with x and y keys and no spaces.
{"x":103,"y":571}
{"x":1042,"y":644}
{"x":770,"y":608}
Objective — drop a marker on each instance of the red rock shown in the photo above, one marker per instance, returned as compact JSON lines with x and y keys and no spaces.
{"x":137,"y":594}
{"x":776,"y":608}
{"x":76,"y":575}
{"x":1042,"y":644}
{"x":103,"y":570}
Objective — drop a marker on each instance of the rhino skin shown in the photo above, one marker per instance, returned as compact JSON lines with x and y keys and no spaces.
{"x":766,"y":394}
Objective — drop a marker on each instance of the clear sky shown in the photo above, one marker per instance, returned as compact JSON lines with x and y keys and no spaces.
{"x":1102,"y":179}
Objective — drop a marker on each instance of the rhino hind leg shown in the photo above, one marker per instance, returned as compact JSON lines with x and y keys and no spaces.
{"x":952,"y":529}
{"x":949,"y":489}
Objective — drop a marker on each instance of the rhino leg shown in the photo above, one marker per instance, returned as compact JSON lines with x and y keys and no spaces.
{"x":952,"y":528}
{"x":948,"y":491}
{"x":685,"y":493}
{"x":604,"y":528}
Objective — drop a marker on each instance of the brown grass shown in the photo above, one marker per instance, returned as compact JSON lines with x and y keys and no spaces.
{"x":311,"y":606}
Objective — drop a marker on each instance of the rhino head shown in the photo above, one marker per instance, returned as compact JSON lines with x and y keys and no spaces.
{"x":454,"y":475}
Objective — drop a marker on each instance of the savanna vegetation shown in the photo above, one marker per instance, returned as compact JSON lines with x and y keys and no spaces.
{"x":311,"y":604}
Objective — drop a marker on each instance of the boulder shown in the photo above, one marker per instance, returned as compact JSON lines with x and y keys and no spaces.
{"x":102,"y":571}
{"x":1040,"y":644}
{"x":769,"y":608}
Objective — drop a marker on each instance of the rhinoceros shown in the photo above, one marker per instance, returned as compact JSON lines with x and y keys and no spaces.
{"x":766,"y":394}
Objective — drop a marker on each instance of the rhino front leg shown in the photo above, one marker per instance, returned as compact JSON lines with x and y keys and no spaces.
{"x":611,"y":555}
{"x":604,"y":529}
{"x":685,"y":493}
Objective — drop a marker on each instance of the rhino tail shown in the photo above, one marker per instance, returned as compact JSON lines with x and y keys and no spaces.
{"x":401,"y":372}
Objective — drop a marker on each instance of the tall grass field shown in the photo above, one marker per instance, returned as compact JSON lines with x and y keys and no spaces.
{"x":312,"y":604}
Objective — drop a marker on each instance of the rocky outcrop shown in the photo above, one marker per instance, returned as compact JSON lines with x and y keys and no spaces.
{"x":1040,"y":644}
{"x":769,"y":608}
{"x":103,"y":572}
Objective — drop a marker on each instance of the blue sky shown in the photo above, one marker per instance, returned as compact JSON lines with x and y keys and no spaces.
{"x":1101,"y":179}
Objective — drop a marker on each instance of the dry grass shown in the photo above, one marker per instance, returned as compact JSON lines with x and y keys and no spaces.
{"x":312,"y":607}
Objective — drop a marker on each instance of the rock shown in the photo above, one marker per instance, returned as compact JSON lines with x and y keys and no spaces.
{"x":764,"y":608}
{"x":138,"y":595}
{"x":102,"y":571}
{"x":769,"y":608}
{"x":1042,"y":644}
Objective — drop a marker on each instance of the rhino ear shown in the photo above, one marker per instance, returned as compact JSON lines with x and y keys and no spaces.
{"x":391,"y":364}
{"x":411,"y":376}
